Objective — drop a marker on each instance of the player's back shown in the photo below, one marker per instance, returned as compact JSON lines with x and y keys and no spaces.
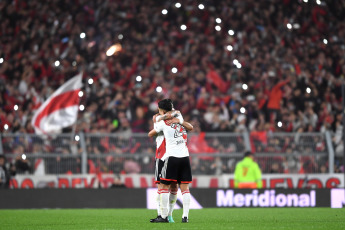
{"x":175,"y":137}
{"x":247,"y":170}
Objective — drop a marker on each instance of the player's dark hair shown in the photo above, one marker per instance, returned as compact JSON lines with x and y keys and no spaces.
{"x":248,"y":153}
{"x":165,"y":104}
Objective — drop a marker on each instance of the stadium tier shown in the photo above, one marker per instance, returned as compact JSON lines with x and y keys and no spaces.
{"x":264,"y":76}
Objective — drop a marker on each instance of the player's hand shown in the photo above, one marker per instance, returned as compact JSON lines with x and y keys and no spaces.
{"x":154,"y":118}
{"x":172,"y":121}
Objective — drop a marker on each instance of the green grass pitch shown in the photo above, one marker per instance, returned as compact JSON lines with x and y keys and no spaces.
{"x":208,"y":218}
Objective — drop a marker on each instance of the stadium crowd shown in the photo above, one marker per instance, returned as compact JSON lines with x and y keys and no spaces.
{"x":229,"y":66}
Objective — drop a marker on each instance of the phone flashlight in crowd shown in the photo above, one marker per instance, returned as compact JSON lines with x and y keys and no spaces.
{"x":159,"y":89}
{"x":23,"y":156}
{"x":113,"y":49}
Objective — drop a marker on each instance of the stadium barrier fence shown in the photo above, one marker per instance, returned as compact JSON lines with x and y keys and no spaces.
{"x":100,"y":180}
{"x":211,"y":153}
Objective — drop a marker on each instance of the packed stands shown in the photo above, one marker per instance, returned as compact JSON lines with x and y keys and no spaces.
{"x":261,"y":67}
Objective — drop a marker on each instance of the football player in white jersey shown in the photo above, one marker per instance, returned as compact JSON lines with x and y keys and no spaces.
{"x":170,"y":117}
{"x":176,"y":168}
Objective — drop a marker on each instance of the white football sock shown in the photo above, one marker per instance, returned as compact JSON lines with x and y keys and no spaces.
{"x":158,"y":200}
{"x":172,"y":201}
{"x":164,"y":202}
{"x":186,"y":202}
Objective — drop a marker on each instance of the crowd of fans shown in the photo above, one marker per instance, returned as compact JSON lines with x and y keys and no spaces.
{"x":229,"y":66}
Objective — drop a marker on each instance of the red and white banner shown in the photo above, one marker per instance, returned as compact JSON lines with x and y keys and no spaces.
{"x":60,"y":110}
{"x":147,"y":181}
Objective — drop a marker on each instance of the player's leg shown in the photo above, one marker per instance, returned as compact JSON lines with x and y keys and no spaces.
{"x":172,"y":200}
{"x":186,"y":201}
{"x":163,"y":218}
{"x":165,"y":199}
{"x":185,"y":177}
{"x":169,"y":174}
{"x":158,"y":169}
{"x":158,"y":199}
{"x":158,"y":202}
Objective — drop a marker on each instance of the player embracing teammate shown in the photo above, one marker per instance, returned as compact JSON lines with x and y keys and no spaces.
{"x":174,"y":166}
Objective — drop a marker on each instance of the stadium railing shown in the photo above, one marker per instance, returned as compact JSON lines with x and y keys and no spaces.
{"x":211,"y":153}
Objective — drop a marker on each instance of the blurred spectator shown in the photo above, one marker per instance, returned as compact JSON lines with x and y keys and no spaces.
{"x":276,"y":57}
{"x":6,"y":172}
{"x":276,"y":168}
{"x":275,"y":66}
{"x":117,"y":183}
{"x":217,"y":167}
{"x":131,"y":166}
{"x":292,"y":163}
{"x":22,"y":164}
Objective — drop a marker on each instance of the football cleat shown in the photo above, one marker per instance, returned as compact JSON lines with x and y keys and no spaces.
{"x":161,"y":220}
{"x":170,"y":219}
{"x":152,"y":220}
{"x":185,"y":220}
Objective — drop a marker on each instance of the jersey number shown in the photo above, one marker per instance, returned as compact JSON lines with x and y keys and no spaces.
{"x":179,"y":131}
{"x":245,"y":171}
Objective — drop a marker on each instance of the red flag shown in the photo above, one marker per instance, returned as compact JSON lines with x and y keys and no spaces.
{"x":60,"y":109}
{"x":217,"y":81}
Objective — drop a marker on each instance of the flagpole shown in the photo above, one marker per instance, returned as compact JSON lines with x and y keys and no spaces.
{"x":74,"y":127}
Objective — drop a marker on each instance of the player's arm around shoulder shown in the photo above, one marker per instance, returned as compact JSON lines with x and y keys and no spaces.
{"x":155,"y":118}
{"x":188,"y":126}
{"x":152,"y":133}
{"x":178,"y":119}
{"x":157,"y":127}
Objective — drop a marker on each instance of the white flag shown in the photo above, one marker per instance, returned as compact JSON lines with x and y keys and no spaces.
{"x":60,"y":109}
